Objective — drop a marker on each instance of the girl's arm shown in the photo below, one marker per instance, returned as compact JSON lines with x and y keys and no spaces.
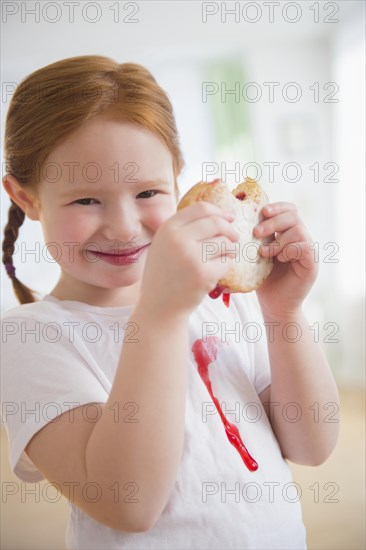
{"x":302,"y":402}
{"x":143,"y":454}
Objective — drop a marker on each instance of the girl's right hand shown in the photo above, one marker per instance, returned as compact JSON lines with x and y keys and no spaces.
{"x":189,"y":253}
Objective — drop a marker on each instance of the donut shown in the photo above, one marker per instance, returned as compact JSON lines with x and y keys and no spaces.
{"x":249,"y":269}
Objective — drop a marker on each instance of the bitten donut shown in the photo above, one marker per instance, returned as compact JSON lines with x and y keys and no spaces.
{"x":246,"y":201}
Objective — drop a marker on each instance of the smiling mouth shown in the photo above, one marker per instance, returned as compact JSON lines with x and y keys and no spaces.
{"x":118,"y":257}
{"x":118,"y":253}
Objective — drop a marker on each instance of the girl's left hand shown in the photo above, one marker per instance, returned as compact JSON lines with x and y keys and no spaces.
{"x":295,"y":270}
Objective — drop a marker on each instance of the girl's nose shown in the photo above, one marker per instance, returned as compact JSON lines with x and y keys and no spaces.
{"x":121,"y":222}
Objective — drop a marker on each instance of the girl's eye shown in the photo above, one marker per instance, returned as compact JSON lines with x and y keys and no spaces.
{"x":80,"y":201}
{"x":150,"y":191}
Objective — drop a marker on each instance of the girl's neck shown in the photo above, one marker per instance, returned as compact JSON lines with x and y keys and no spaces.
{"x":99,"y":297}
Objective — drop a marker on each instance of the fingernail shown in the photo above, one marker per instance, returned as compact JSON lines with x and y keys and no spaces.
{"x":269,"y":209}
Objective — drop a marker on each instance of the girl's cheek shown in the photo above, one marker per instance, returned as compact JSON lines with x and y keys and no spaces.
{"x":79,"y":223}
{"x":65,"y":229}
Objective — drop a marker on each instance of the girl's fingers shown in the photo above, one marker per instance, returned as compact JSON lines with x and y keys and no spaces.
{"x":290,"y":251}
{"x":199,"y":210}
{"x":221,"y":247}
{"x":300,"y":252}
{"x":275,"y":208}
{"x":205,"y":221}
{"x":277,"y":224}
{"x":204,"y":229}
{"x":295,"y":234}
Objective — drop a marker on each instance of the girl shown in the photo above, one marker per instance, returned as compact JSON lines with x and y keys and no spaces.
{"x":101,"y":394}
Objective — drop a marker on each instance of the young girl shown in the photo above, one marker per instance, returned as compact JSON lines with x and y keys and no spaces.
{"x":101,"y":391}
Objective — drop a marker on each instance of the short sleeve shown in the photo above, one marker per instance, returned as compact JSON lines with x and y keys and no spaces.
{"x":249,"y":312}
{"x":42,"y":376}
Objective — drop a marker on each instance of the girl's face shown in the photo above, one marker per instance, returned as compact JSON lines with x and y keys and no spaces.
{"x":107,"y":188}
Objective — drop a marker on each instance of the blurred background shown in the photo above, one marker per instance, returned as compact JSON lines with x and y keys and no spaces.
{"x":273,"y":90}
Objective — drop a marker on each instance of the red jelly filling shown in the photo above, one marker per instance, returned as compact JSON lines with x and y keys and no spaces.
{"x":226,"y":298}
{"x":241,"y":196}
{"x":217,"y":291}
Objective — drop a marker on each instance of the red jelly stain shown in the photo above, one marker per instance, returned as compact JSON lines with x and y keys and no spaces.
{"x":205,"y":353}
{"x":217,"y":291}
{"x":241,"y":196}
{"x":226,"y":298}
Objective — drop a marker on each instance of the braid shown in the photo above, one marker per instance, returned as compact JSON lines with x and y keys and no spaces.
{"x":15,"y":220}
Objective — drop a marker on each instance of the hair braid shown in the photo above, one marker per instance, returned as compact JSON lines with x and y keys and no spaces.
{"x":11,"y":231}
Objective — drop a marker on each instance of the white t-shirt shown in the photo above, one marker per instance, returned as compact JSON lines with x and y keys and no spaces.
{"x":57,"y":355}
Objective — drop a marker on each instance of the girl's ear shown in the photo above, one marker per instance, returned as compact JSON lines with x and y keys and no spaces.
{"x":24,"y":200}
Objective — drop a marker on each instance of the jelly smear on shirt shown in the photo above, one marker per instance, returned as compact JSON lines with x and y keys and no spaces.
{"x":217,"y":291}
{"x":205,"y":353}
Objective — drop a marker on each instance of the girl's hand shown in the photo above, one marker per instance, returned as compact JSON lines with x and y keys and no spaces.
{"x":187,"y":256}
{"x":295,"y":270}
